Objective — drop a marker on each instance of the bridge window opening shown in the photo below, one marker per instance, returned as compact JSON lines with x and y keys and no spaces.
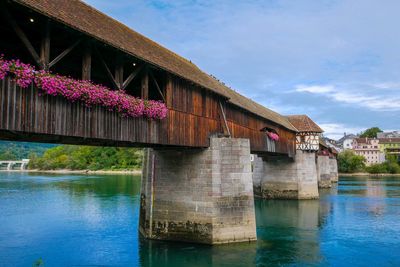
{"x":157,"y":83}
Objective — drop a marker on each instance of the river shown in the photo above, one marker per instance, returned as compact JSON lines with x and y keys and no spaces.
{"x":92,"y":220}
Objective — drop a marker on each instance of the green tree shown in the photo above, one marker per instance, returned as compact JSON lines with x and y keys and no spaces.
{"x":371,"y":132}
{"x":87,"y":158}
{"x":349,"y":162}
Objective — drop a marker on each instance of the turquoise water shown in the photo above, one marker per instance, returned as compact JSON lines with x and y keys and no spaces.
{"x":80,"y":220}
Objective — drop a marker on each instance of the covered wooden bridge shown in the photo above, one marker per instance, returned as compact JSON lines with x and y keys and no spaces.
{"x":200,"y":150}
{"x":73,"y":39}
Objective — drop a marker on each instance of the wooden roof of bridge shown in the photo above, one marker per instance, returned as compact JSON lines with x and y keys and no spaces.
{"x":86,"y":19}
{"x":303,"y":123}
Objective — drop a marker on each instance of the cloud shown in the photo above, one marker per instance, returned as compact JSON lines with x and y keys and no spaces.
{"x":341,"y":57}
{"x":375,"y":101}
{"x":336,"y":131}
{"x":315,"y":89}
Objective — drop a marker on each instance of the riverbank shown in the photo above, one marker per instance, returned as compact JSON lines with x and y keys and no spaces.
{"x":133,"y":172}
{"x":369,"y":174}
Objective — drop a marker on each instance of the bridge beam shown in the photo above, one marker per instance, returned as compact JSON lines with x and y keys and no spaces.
{"x":200,"y":196}
{"x":285,"y":178}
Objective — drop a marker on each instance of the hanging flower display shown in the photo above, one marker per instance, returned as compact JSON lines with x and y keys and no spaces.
{"x":273,"y":136}
{"x":78,"y":90}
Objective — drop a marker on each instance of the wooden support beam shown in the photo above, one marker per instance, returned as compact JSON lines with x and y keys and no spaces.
{"x":20,"y":33}
{"x":157,"y":86}
{"x":45,"y":47}
{"x":227,"y":132}
{"x":145,"y":85}
{"x":119,"y":73}
{"x":109,"y":73}
{"x":168,"y":91}
{"x":131,"y":77}
{"x":64,"y":53}
{"x":87,"y":63}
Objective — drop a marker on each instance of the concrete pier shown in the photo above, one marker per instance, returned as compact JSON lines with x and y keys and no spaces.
{"x":324,"y":171}
{"x":285,"y":178}
{"x":334,"y":170}
{"x":201,"y":196}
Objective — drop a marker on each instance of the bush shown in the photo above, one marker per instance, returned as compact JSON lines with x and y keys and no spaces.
{"x":386,"y":167}
{"x":377,"y":168}
{"x":88,"y":158}
{"x":349,"y":162}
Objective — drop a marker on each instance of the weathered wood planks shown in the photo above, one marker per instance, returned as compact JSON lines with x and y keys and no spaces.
{"x":193,"y":117}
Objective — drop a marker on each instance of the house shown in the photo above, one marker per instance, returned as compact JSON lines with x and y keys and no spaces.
{"x":394,"y":134}
{"x":346,"y":142}
{"x":369,"y":149}
{"x":390,"y":146}
{"x":309,"y":133}
{"x":332,"y":144}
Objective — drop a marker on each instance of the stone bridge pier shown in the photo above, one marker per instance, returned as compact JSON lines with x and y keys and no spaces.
{"x":334,"y":169}
{"x":285,"y":178}
{"x":199,"y":195}
{"x":324,"y":171}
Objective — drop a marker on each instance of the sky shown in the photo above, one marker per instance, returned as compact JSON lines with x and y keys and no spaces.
{"x":338,"y":61}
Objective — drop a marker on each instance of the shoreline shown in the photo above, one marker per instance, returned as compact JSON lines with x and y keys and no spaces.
{"x":369,"y":174}
{"x":134,"y":172}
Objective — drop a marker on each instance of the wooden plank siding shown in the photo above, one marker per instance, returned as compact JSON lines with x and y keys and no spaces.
{"x":193,"y":116}
{"x":244,"y":124}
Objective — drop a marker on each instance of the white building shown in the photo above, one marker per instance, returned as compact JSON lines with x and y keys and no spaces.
{"x":394,"y":134}
{"x":346,"y":142}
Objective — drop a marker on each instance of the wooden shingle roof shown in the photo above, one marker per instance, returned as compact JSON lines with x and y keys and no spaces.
{"x":86,"y":19}
{"x":303,"y":123}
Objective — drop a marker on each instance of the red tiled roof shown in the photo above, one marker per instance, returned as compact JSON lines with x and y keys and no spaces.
{"x":303,"y":123}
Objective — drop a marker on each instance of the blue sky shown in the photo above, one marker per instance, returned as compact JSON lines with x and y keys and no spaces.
{"x":336,"y":60}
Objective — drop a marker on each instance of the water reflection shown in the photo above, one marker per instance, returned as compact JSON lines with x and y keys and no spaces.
{"x":288,"y":232}
{"x":84,"y":220}
{"x":291,"y":228}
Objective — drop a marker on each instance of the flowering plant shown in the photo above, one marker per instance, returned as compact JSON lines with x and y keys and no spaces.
{"x":79,"y":90}
{"x":273,"y":136}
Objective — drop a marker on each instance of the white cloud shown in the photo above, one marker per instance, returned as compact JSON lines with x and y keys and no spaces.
{"x":387,"y":85}
{"x":336,"y":131}
{"x":369,"y":99}
{"x":315,"y":89}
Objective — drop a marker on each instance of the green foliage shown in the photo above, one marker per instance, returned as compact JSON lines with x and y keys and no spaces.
{"x":38,"y":263}
{"x":371,"y":132}
{"x":377,"y":168}
{"x":349,"y":162}
{"x":389,"y":166}
{"x":21,"y":150}
{"x":88,"y":158}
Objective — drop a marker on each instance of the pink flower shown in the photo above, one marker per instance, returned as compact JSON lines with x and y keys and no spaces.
{"x":273,"y":136}
{"x":85,"y":91}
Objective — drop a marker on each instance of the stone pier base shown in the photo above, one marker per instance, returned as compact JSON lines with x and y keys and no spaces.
{"x":285,"y":178}
{"x":201,"y":196}
{"x":324,"y":171}
{"x":334,"y":170}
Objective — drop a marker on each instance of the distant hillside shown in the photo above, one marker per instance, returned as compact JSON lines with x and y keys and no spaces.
{"x":21,"y":150}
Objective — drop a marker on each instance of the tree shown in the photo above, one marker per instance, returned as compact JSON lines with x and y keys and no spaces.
{"x":87,"y":158}
{"x":371,"y":132}
{"x":349,"y":162}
